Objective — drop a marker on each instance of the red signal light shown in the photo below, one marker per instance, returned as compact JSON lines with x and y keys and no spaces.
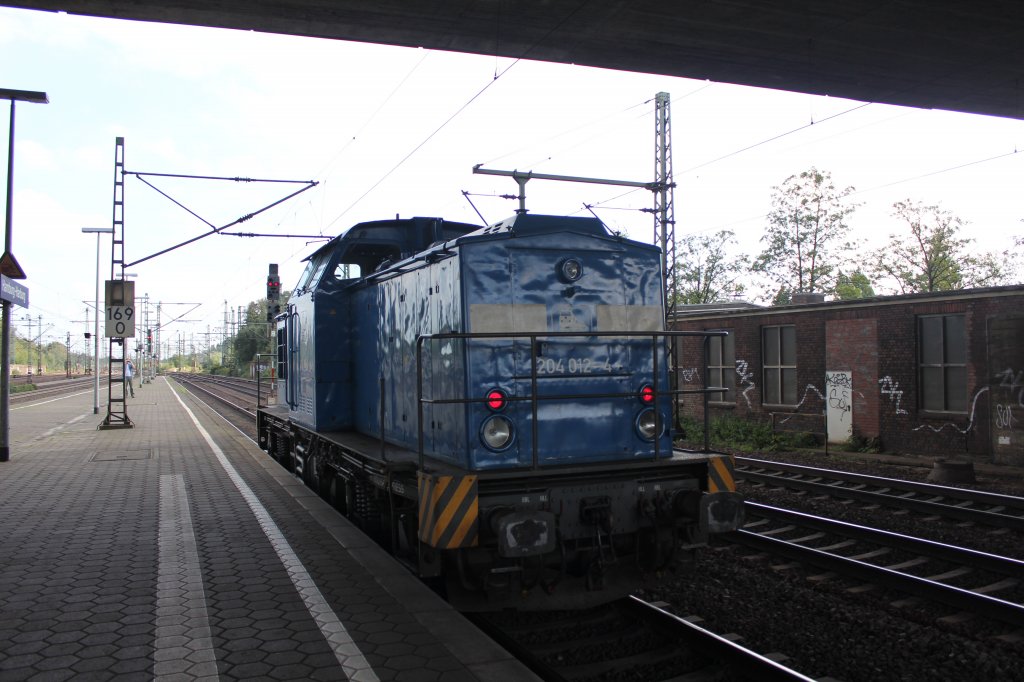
{"x":496,"y":399}
{"x":647,"y":395}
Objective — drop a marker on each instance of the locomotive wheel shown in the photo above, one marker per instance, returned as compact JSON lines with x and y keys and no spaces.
{"x":336,"y":493}
{"x":309,"y":475}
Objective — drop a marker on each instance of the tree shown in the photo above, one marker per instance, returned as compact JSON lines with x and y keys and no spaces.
{"x":853,"y":286}
{"x":930,"y":255}
{"x":253,"y":337}
{"x":805,"y":236}
{"x":704,"y":272}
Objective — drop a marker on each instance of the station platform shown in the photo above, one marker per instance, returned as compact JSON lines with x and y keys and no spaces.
{"x":178,"y":550}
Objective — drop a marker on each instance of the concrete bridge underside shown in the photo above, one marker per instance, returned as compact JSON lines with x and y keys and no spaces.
{"x":963,"y":56}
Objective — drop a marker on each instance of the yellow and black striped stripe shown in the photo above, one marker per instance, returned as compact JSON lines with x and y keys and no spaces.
{"x":721,"y":474}
{"x":449,"y":511}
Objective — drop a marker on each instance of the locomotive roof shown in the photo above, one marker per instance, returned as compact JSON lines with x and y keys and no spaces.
{"x":422,"y":234}
{"x":407,"y":231}
{"x":382,"y":247}
{"x":525,"y":224}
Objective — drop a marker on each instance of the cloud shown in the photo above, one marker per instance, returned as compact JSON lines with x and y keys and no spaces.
{"x":34,"y":155}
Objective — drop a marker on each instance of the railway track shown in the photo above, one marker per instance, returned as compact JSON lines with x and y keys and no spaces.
{"x":970,"y":582}
{"x":244,"y":389}
{"x":56,"y":387}
{"x":970,"y":506}
{"x":627,"y":639}
{"x":225,"y":392}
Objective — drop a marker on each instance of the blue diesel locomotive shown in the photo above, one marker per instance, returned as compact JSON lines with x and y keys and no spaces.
{"x":493,"y":404}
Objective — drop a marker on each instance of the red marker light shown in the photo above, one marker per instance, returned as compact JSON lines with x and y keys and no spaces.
{"x":495,"y":399}
{"x":647,"y":395}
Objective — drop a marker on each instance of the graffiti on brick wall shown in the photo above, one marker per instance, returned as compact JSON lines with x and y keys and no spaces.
{"x":689,"y":374}
{"x":839,"y":387}
{"x":745,"y":375}
{"x":810,"y":388}
{"x":1014,"y":381}
{"x":1004,"y":417}
{"x":970,"y":419}
{"x":890,"y":387}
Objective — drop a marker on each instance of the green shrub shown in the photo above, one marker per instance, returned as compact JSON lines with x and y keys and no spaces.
{"x":857,"y":443}
{"x":745,"y":435}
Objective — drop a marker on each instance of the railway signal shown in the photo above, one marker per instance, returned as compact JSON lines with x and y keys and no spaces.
{"x":273,"y":293}
{"x":273,"y":288}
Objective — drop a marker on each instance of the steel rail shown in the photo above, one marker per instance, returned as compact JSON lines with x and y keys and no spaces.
{"x":236,"y":384}
{"x":881,"y":497}
{"x":714,"y":656}
{"x":995,"y":499}
{"x":197,"y":386}
{"x":48,"y":389}
{"x":935,"y":550}
{"x":748,"y":664}
{"x":956,"y":597}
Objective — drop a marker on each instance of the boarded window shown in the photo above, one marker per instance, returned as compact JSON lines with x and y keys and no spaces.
{"x":942,"y":363}
{"x":778,"y":352}
{"x":722,"y":368}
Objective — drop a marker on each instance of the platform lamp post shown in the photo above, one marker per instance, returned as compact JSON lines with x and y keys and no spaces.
{"x":96,"y":328}
{"x":9,"y":268}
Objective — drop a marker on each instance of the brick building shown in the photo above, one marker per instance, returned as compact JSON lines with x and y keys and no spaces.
{"x":937,"y":373}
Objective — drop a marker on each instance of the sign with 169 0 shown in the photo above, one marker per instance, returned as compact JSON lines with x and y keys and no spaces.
{"x":120,"y":321}
{"x":120,"y":316}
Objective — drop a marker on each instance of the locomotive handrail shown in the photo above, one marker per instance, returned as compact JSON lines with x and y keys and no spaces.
{"x":534,"y":398}
{"x":292,"y":352}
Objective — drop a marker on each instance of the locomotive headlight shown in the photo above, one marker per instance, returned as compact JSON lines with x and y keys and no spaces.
{"x":496,"y":432}
{"x":648,"y":425}
{"x":570,"y":270}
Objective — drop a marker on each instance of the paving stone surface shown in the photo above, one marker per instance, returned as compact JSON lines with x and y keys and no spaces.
{"x":136,"y":554}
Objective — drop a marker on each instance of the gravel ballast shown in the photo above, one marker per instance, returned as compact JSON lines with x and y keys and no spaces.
{"x":827,"y":629}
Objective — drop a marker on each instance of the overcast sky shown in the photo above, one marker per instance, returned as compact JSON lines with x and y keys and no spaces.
{"x":389,"y":131}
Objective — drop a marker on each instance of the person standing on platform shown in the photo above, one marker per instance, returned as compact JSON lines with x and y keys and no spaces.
{"x":129,"y":372}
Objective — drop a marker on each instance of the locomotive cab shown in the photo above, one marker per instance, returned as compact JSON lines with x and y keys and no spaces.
{"x":314,"y":334}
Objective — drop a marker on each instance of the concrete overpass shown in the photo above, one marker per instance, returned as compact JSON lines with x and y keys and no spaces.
{"x":945,"y":54}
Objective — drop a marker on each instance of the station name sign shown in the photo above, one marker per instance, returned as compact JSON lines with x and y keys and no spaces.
{"x":13,"y":292}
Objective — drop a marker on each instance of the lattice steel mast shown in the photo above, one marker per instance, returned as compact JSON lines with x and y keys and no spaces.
{"x":117,"y":408}
{"x":664,"y":213}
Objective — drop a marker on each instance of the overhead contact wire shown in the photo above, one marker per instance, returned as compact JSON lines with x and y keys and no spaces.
{"x":776,"y":137}
{"x":463,"y":108}
{"x":748,"y":148}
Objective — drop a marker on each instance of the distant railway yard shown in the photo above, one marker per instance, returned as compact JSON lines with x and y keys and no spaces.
{"x":849,"y":567}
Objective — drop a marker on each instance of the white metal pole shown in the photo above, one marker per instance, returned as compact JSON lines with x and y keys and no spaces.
{"x":99,"y":231}
{"x":96,"y":338}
